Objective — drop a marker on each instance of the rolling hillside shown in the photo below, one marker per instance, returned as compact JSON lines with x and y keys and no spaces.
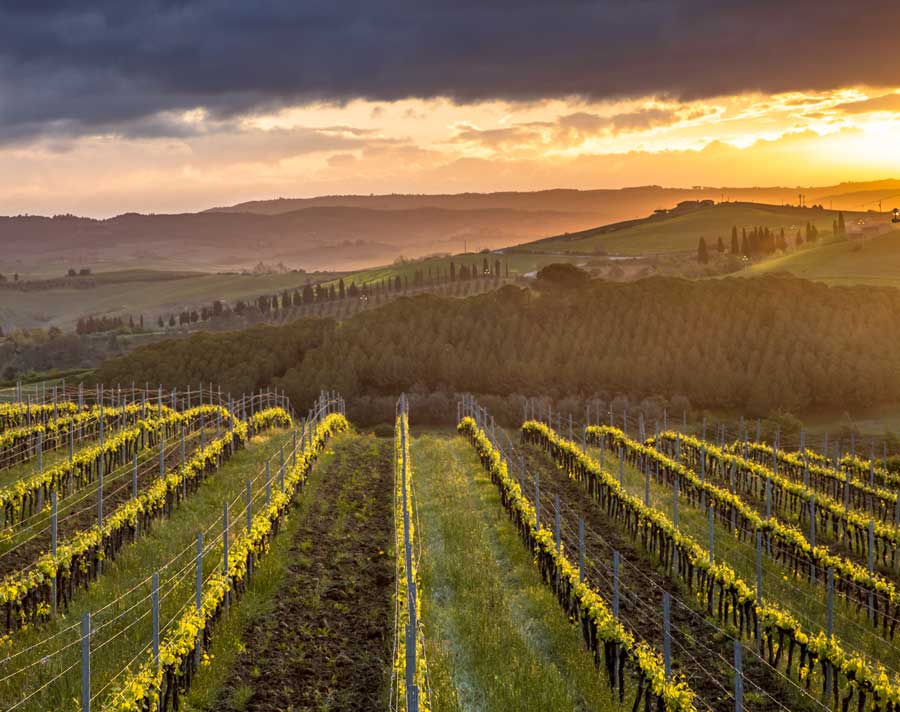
{"x":873,"y":261}
{"x":679,"y":231}
{"x":603,"y":205}
{"x":335,"y":238}
{"x":130,"y":293}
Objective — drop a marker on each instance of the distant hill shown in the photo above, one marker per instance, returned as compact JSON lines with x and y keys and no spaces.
{"x":343,"y":233}
{"x":680,"y":230}
{"x":605,"y":205}
{"x":313,"y":238}
{"x":859,"y":196}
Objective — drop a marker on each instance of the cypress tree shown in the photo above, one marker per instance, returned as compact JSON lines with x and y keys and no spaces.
{"x":702,"y":254}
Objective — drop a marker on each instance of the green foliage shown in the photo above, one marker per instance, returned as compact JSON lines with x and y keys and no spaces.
{"x":761,"y":346}
{"x":561,"y":275}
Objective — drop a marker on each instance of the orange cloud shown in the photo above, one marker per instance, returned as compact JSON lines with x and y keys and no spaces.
{"x":885,"y":102}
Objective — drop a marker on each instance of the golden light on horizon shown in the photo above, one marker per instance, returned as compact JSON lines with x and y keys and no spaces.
{"x":438,"y":145}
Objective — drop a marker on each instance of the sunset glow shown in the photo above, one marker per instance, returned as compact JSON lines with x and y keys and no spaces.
{"x":438,"y":145}
{"x":178,"y":107}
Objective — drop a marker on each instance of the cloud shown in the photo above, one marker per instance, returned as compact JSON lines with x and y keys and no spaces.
{"x":341,"y":159}
{"x":572,"y":129}
{"x":88,"y":65}
{"x":638,"y":120}
{"x":221,"y":169}
{"x":886,"y":102}
{"x":498,"y":139}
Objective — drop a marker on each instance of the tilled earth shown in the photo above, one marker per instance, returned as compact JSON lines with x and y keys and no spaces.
{"x":326,"y":645}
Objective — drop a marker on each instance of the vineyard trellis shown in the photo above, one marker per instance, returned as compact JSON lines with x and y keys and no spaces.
{"x":863,"y":535}
{"x":28,"y":596}
{"x":608,"y":640}
{"x":158,"y":499}
{"x":784,"y":544}
{"x":409,"y":678}
{"x":728,"y":597}
{"x":159,"y":681}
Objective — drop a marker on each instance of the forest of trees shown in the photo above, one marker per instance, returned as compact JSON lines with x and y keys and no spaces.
{"x":757,"y":346}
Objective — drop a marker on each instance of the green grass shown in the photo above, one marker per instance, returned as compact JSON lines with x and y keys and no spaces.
{"x":874,"y":261}
{"x":495,"y":637}
{"x":805,"y":600}
{"x":53,"y":376}
{"x":680,"y":232}
{"x":145,"y":294}
{"x":141,"y":275}
{"x":115,"y":645}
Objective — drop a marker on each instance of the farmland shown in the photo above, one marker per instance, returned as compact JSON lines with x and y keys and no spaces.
{"x":662,"y":244}
{"x":449,"y":357}
{"x":135,"y":292}
{"x":679,"y":231}
{"x":874,"y":261}
{"x":241,"y":555}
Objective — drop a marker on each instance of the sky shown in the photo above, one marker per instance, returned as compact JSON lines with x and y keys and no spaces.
{"x":179,"y":105}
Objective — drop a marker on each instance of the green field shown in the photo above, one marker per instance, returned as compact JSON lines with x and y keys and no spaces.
{"x":136,"y":292}
{"x":495,"y":636}
{"x":680,"y":232}
{"x":874,"y":261}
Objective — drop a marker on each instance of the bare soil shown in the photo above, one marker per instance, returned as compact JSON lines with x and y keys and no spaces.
{"x":327,"y":642}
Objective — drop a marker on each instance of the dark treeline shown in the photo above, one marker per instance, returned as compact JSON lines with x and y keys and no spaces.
{"x":322,"y":293}
{"x":99,"y":324}
{"x":763,"y":241}
{"x":756,"y":346}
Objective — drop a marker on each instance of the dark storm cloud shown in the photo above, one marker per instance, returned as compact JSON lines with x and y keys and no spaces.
{"x":79,"y":64}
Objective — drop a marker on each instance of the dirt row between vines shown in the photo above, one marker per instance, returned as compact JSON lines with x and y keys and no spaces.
{"x":327,"y":643}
